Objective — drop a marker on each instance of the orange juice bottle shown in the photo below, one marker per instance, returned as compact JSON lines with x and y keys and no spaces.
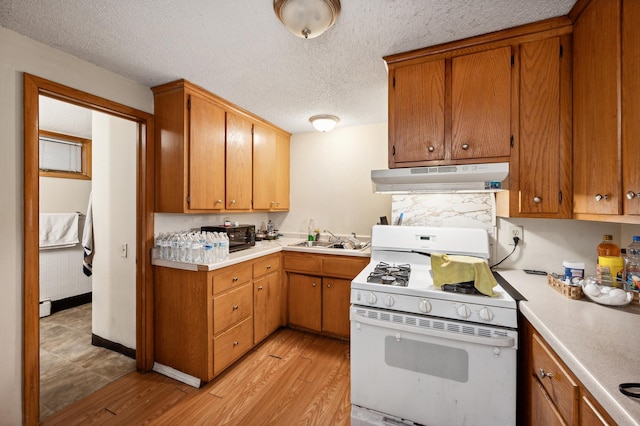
{"x":610,"y":264}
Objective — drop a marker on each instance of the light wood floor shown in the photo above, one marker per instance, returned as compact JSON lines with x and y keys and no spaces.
{"x":293,"y":378}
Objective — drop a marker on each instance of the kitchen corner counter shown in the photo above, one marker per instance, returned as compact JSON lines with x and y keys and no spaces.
{"x":598,"y":343}
{"x":262,"y":248}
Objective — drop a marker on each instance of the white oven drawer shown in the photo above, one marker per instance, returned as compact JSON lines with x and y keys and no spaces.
{"x":432,"y":371}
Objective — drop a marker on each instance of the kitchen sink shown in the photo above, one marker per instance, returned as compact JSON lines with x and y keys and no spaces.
{"x":322,"y":244}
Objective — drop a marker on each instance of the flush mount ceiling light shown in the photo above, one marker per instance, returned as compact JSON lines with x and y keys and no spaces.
{"x":324,"y":123}
{"x":307,"y":18}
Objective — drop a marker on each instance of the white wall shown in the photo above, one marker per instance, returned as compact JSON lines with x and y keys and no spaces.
{"x":547,"y":242}
{"x":19,"y":54}
{"x":58,"y":195}
{"x":331,"y":180}
{"x":114,"y":224}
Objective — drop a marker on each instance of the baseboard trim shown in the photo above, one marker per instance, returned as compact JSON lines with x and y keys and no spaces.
{"x":70,"y":302}
{"x":112,"y":346}
{"x":176,"y":374}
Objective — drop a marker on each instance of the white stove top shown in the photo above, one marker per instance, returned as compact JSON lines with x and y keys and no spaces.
{"x":398,"y":245}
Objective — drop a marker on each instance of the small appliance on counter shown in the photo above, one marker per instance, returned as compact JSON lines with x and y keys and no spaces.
{"x":241,"y":236}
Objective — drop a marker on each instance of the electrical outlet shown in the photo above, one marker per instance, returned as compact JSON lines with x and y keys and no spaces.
{"x":517,"y":231}
{"x":123,"y":250}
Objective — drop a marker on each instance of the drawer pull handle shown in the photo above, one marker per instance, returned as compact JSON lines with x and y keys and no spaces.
{"x":234,"y":279}
{"x":465,"y":146}
{"x":542,"y":374}
{"x":218,"y":201}
{"x":602,"y":197}
{"x":235,"y":343}
{"x":631,"y":195}
{"x":537,"y":199}
{"x":431,"y":148}
{"x":268,"y":266}
{"x":313,"y":284}
{"x":328,"y":285}
{"x":259,"y":287}
{"x":235,"y":307}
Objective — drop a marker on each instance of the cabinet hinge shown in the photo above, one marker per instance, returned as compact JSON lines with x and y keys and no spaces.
{"x":559,"y":197}
{"x":561,"y":51}
{"x":394,"y":81}
{"x":513,"y":59}
{"x":511,"y":142}
{"x":393,"y":150}
{"x":188,"y":199}
{"x":189,"y":102}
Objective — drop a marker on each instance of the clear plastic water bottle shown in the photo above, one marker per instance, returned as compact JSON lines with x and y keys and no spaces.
{"x":224,"y":247}
{"x":166,"y":246}
{"x":208,"y":249}
{"x":216,"y":247}
{"x":175,"y":238}
{"x":632,"y":264}
{"x":182,"y":252}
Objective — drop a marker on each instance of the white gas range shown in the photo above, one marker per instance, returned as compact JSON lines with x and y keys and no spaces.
{"x":449,"y":356}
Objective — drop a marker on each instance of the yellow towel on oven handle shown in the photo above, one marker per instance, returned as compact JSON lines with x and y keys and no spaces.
{"x":454,"y":269}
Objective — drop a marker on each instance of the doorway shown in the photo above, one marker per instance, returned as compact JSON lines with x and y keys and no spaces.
{"x":90,"y":323}
{"x":33,"y":87}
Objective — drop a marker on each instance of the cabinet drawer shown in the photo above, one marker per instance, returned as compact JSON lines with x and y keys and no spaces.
{"x":266,"y":265}
{"x":232,"y":344}
{"x":311,"y":264}
{"x":231,"y":276}
{"x":231,"y":307}
{"x":561,"y":388}
{"x":344,"y":267}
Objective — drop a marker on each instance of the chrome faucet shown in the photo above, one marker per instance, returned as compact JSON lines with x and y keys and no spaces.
{"x":332,"y":234}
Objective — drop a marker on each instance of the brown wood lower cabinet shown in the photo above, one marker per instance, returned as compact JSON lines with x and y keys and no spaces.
{"x":552,"y":395}
{"x":206,"y":320}
{"x":319,"y":288}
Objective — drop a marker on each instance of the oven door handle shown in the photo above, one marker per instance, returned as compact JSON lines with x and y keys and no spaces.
{"x":502,"y":341}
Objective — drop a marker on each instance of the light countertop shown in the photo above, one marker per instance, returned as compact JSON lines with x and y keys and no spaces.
{"x":262,"y":248}
{"x":599,"y":344}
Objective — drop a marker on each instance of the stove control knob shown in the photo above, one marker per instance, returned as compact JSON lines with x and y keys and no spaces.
{"x":389,"y":301}
{"x":424,"y":306}
{"x":486,"y":314}
{"x":372,"y":299}
{"x":463,"y":311}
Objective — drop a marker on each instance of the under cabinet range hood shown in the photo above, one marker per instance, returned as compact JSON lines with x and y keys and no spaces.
{"x":441,"y":179}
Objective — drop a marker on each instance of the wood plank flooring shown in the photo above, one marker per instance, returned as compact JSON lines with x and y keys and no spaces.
{"x":292,"y":378}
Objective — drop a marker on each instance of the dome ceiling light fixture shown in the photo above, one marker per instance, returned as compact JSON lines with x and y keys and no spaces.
{"x":307,"y":18}
{"x":324,"y":123}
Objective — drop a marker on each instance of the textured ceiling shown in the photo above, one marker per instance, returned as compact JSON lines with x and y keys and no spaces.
{"x":239,"y":50}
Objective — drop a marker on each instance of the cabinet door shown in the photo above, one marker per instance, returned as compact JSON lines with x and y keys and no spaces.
{"x":544,"y":157}
{"x":239,"y":162}
{"x":206,"y":154}
{"x":267,"y":294}
{"x":335,"y":306}
{"x":481,"y":104}
{"x":631,"y":107}
{"x":416,"y":113}
{"x":264,"y":168}
{"x":305,"y":301}
{"x":543,"y":411}
{"x":283,"y":166}
{"x":596,"y":118}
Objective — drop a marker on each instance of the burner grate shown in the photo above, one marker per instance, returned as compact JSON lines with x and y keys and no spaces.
{"x":384,"y":273}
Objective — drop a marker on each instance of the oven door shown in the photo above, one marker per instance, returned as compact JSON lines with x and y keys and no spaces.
{"x":431,"y":371}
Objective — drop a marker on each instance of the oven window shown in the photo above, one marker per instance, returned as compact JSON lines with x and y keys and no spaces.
{"x":427,"y":358}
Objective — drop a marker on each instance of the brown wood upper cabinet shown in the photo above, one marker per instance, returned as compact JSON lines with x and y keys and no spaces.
{"x":239,"y":162}
{"x":442,"y":111}
{"x":204,"y":158}
{"x":270,"y":169}
{"x":190,"y":137}
{"x":606,"y":83}
{"x":504,"y":96}
{"x":540,"y":178}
